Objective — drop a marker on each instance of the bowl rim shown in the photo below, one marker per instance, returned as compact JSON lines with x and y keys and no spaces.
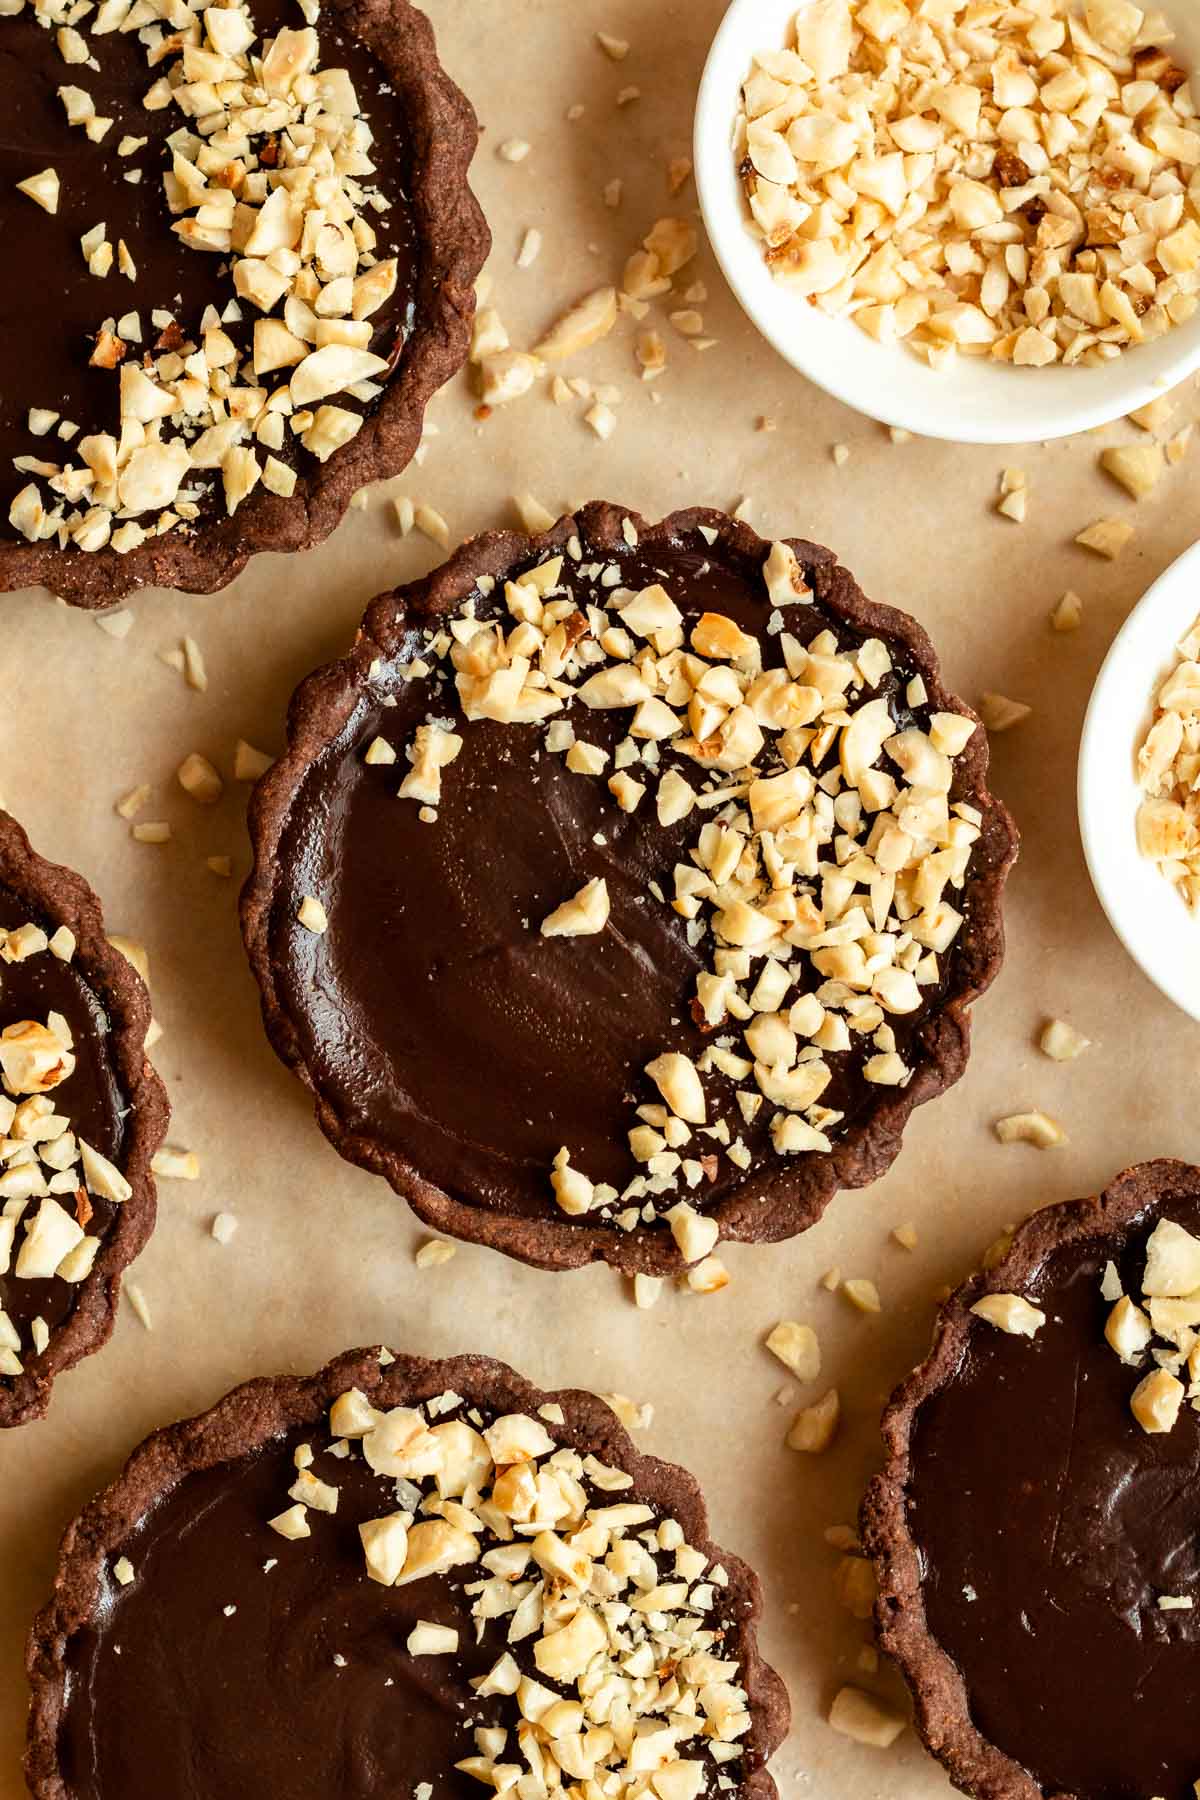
{"x":1102,"y":402}
{"x":1094,"y":803}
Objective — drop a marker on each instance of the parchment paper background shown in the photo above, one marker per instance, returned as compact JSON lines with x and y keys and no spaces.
{"x":324,"y":1255}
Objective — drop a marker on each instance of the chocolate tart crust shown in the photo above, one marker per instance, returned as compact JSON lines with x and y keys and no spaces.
{"x":57,"y":895}
{"x":797,"y":1195}
{"x":453,"y":241}
{"x":263,"y":1409}
{"x":941,"y":1701}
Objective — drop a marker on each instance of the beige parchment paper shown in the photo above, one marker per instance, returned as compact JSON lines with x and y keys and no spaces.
{"x":323,"y":1258}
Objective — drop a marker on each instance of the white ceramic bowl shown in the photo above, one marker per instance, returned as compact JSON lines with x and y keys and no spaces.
{"x":1143,"y":908}
{"x":976,"y":401}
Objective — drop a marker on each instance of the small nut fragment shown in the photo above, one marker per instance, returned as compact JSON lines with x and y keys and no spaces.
{"x":862,"y":1294}
{"x":197,"y":777}
{"x":678,"y":1081}
{"x":1128,"y":1330}
{"x":1061,"y":1042}
{"x":1138,"y":467}
{"x":583,"y":915}
{"x":1172,"y":1262}
{"x":1001,"y":714}
{"x":1011,"y":1313}
{"x":428,"y":1639}
{"x":312,"y":915}
{"x":435,"y":1253}
{"x":1107,"y":537}
{"x":385,"y":1546}
{"x":1156,"y":1400}
{"x":797,"y":1348}
{"x":1068,"y":613}
{"x":695,"y":1234}
{"x":582,"y":325}
{"x":814,"y":1427}
{"x":861,"y":1716}
{"x":175,"y":1165}
{"x":43,"y":188}
{"x":1035,"y":1127}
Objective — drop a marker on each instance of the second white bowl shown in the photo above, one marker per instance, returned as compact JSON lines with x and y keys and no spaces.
{"x":1143,"y":908}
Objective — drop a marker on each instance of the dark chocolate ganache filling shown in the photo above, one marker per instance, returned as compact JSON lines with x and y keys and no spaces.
{"x":1049,"y":1525}
{"x":51,"y":306}
{"x":236,"y":1663}
{"x":90,"y":1098}
{"x":432,"y":1015}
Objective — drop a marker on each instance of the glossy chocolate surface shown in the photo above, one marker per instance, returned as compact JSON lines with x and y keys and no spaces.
{"x":90,"y":1096}
{"x":432,"y":1014}
{"x":1049,"y":1524}
{"x":306,"y":1691}
{"x":51,"y":306}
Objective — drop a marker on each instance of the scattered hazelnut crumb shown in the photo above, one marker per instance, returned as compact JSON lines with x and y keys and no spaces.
{"x":531,"y":244}
{"x":646,"y":1291}
{"x":156,"y":832}
{"x":859,"y":1715}
{"x":175,"y":1165}
{"x":1036,"y":1128}
{"x":123,"y":1571}
{"x":513,"y":150}
{"x":602,"y":420}
{"x":1154,"y":416}
{"x":841,"y":454}
{"x":219,"y":865}
{"x":1000,"y":713}
{"x":855,"y":1585}
{"x":898,"y":435}
{"x":249,"y":763}
{"x":906,"y":1236}
{"x":223,"y":1227}
{"x":198,"y":778}
{"x":814,"y":1426}
{"x":139,"y":1303}
{"x":797,"y":1348}
{"x":133,"y":952}
{"x":435,"y":1253}
{"x":404,"y":510}
{"x":615,"y":48}
{"x":708,"y":1276}
{"x":533,"y":515}
{"x":1061,"y":1042}
{"x":1068,"y":614}
{"x":632,"y":1416}
{"x":1107,"y":537}
{"x":1137,"y":467}
{"x":430,"y":523}
{"x":133,"y":802}
{"x":831,"y":1280}
{"x":115,"y":624}
{"x":678,"y":170}
{"x":626,"y":95}
{"x":863,"y":1294}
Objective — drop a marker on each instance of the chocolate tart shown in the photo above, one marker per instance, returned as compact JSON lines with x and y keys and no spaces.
{"x":1037,"y":1508}
{"x":190,"y":1627}
{"x":493,"y":1072}
{"x":61,"y":367}
{"x":58,"y":969}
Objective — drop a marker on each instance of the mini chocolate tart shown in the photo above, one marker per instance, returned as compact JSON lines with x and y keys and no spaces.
{"x":400,"y":1577}
{"x":256,"y":225}
{"x":81,"y":1115}
{"x":1036,"y":1531}
{"x":626,"y":887}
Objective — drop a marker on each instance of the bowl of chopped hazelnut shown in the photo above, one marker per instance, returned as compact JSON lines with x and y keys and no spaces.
{"x":980,"y":224}
{"x":1139,"y":764}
